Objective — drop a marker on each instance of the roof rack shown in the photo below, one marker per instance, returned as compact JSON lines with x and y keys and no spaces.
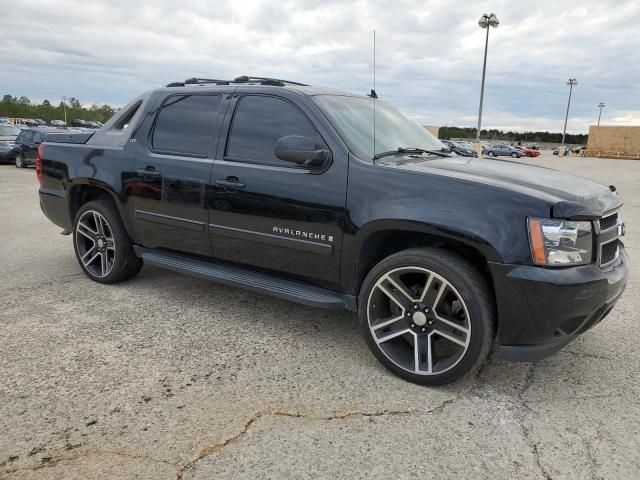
{"x":243,"y":79}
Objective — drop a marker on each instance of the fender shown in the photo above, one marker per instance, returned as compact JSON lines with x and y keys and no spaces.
{"x":489,"y":219}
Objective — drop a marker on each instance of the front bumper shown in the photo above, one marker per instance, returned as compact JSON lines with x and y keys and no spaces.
{"x":540,"y":310}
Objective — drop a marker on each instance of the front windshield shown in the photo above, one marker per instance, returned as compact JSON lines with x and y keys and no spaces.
{"x":353,"y":118}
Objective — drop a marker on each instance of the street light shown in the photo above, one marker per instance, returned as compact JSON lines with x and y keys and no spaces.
{"x":485,"y":21}
{"x":571,"y":82}
{"x":601,"y":105}
{"x":64,"y":107}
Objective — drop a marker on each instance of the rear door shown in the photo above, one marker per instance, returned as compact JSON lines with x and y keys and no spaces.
{"x":270,"y":214}
{"x":172,"y":170}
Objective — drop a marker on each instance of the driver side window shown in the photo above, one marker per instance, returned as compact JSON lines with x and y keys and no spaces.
{"x":259,"y":122}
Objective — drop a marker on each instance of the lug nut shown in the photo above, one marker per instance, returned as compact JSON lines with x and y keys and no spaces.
{"x":430,"y":322}
{"x":423,"y":329}
{"x":409,"y":314}
{"x":426,"y":309}
{"x":416,"y":307}
{"x":413,"y":325}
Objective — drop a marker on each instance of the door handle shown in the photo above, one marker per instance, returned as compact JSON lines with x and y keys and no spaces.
{"x":148,"y":172}
{"x":230,"y":183}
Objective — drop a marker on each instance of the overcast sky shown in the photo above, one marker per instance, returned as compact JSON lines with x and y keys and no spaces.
{"x":429,"y":53}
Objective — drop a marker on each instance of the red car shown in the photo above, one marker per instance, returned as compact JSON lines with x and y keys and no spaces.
{"x":529,"y":152}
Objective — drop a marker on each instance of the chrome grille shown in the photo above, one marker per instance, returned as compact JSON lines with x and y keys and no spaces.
{"x":609,"y":239}
{"x":608,"y":222}
{"x":609,"y":252}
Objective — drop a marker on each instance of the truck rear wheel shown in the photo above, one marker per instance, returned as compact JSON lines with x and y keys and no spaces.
{"x":102,"y":245}
{"x":427,"y":315}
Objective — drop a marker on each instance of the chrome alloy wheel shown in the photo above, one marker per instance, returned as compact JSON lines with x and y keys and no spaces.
{"x":418,"y":320}
{"x":95,"y":244}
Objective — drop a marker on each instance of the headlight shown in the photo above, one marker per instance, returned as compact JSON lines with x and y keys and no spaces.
{"x":560,"y":242}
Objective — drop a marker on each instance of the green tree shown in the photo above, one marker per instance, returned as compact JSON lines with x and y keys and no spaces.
{"x":21,"y":107}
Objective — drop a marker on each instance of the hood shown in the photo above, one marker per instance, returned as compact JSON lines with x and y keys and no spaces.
{"x":570,"y":196}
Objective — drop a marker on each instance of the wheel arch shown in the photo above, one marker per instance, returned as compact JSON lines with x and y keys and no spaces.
{"x":388,"y":237}
{"x":87,"y":190}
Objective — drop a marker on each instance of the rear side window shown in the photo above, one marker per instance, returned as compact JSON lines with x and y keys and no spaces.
{"x":259,"y":122}
{"x":185,"y":124}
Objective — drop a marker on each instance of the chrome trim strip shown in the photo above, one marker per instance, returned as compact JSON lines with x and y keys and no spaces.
{"x":169,"y":220}
{"x":270,"y":239}
{"x":184,"y":158}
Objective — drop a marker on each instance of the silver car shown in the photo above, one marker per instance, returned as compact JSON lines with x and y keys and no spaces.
{"x":502,"y":149}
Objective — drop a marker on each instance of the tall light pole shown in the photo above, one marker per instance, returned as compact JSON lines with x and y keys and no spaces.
{"x":64,"y":107}
{"x":486,"y":21}
{"x":571,"y":82}
{"x":601,"y":105}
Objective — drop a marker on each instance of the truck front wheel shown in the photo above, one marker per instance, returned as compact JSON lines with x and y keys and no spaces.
{"x":102,"y":245}
{"x":427,"y":315}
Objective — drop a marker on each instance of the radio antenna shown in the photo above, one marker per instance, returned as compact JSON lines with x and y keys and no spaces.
{"x":373,"y":93}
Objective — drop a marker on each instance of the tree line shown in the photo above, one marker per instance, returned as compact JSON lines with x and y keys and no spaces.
{"x":22,"y":107}
{"x":524,"y":137}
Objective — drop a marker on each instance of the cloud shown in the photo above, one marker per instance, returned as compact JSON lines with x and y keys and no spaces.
{"x":429,"y":53}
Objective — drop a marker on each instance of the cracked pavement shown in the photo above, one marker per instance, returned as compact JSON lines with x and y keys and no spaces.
{"x":169,"y":377}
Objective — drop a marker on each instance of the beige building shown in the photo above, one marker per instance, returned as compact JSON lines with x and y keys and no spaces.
{"x":432,"y":130}
{"x":614,"y":142}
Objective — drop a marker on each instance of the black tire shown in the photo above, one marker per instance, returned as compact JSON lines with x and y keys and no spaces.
{"x":121,"y":261}
{"x":19,"y":161}
{"x":464,"y":281}
{"x":491,"y":154}
{"x":515,"y":155}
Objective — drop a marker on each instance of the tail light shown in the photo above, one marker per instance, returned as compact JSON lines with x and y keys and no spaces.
{"x":39,"y":163}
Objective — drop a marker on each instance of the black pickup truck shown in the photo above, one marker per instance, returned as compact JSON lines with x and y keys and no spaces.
{"x":284,"y":189}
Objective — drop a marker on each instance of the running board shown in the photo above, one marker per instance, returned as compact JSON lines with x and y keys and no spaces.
{"x":239,"y":277}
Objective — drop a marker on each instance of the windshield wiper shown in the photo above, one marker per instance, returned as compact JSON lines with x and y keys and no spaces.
{"x":439,"y":153}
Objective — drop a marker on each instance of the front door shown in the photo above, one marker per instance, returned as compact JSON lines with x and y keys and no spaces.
{"x":270,"y":214}
{"x":172,"y":171}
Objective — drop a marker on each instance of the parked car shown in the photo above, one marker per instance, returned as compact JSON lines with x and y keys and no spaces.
{"x":8,"y":134}
{"x":439,"y":258}
{"x":92,"y":124}
{"x":57,"y":123}
{"x":4,"y":120}
{"x":501,"y":149}
{"x":567,"y":149}
{"x":529,"y":152}
{"x":578,"y":150}
{"x":80,"y":123}
{"x":459,"y":149}
{"x":26,"y":145}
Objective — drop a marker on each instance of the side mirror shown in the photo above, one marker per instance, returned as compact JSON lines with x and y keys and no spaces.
{"x":301,"y":150}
